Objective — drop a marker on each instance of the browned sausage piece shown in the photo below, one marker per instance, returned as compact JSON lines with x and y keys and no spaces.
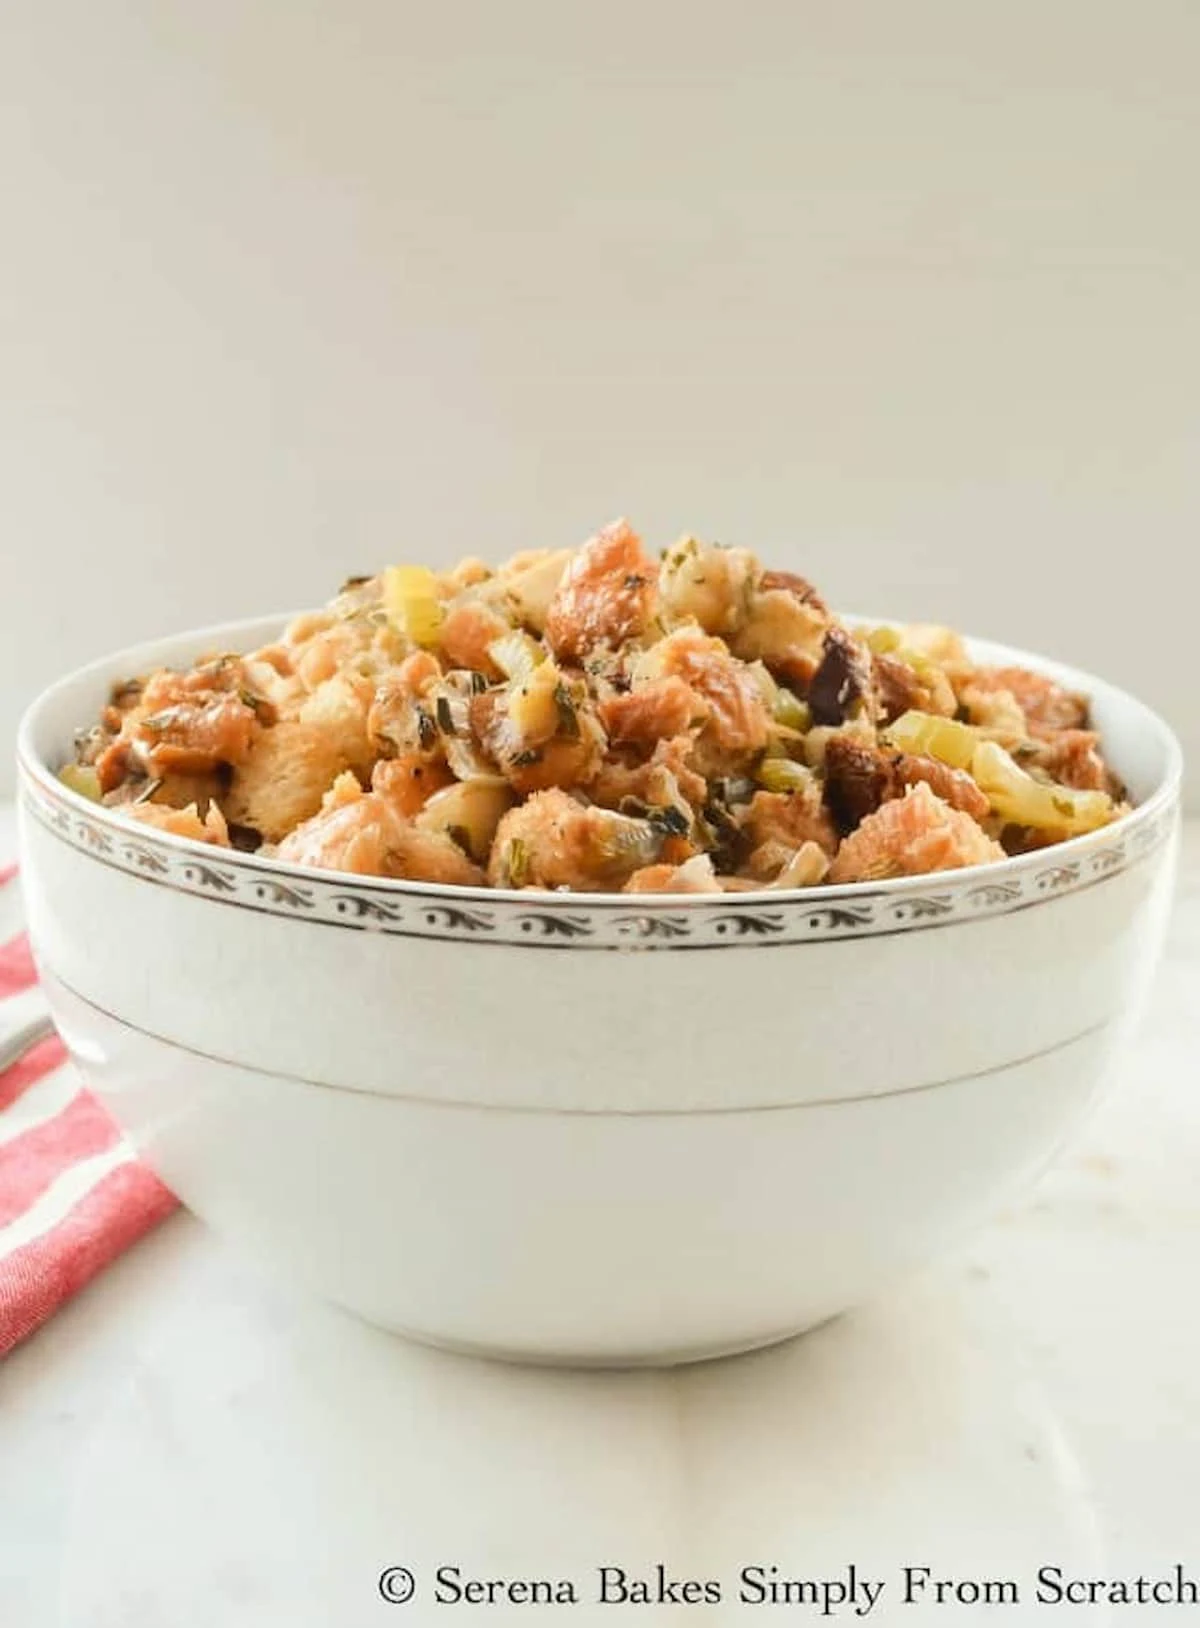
{"x":860,"y":778}
{"x":842,"y":677}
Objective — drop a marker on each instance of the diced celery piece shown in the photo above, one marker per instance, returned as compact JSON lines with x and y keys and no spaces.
{"x":410,"y":597}
{"x":925,"y":734}
{"x":781,"y":774}
{"x":884,"y":641}
{"x":791,"y":712}
{"x":83,"y":779}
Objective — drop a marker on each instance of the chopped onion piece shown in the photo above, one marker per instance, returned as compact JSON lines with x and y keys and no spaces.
{"x":1021,"y":800}
{"x":516,"y":655}
{"x":468,"y":812}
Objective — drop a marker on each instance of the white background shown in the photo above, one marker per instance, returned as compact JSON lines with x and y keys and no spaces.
{"x":904,"y":295}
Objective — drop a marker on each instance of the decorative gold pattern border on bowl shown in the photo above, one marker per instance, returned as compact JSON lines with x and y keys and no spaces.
{"x":421,"y":911}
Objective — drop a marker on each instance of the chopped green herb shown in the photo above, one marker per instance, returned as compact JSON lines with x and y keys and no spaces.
{"x":157,"y":722}
{"x":568,"y":721}
{"x":445,"y":716}
{"x":671,"y":821}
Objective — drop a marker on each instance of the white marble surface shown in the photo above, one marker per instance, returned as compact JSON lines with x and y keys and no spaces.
{"x":187,"y":1444}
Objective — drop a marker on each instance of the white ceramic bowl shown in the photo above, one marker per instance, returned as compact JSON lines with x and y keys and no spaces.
{"x":548,"y":1126}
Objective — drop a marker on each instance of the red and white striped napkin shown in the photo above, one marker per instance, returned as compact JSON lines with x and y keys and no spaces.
{"x":73,"y":1195}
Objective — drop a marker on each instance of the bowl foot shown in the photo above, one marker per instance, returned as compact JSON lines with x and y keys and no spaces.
{"x":667,"y":1357}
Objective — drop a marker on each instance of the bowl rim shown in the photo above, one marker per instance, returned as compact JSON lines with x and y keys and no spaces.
{"x":1141,"y":820}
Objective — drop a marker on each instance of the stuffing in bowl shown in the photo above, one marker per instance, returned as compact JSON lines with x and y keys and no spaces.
{"x":598,"y":720}
{"x":378,"y":930}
